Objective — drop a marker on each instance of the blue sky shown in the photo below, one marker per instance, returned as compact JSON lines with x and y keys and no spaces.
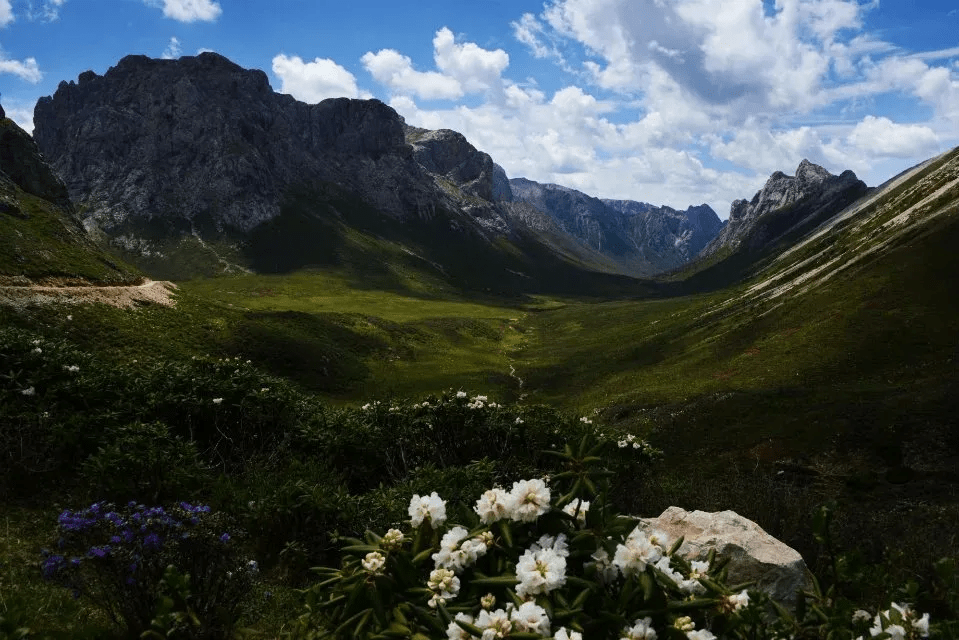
{"x":673,"y":102}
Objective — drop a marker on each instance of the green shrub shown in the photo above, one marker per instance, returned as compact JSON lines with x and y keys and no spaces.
{"x":144,"y":463}
{"x":117,"y":560}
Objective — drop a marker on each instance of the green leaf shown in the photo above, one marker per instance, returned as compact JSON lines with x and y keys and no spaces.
{"x":498,"y":581}
{"x":422,"y":556}
{"x":506,"y":533}
{"x":351,"y":620}
{"x":676,"y":545}
{"x":362,"y":548}
{"x":473,"y":630}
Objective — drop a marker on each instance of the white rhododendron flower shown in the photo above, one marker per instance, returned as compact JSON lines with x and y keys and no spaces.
{"x":456,"y":553}
{"x":217,"y":400}
{"x":531,"y":618}
{"x":374,"y":562}
{"x":460,"y":394}
{"x":900,"y":622}
{"x":861,"y":616}
{"x":700,"y":634}
{"x":444,"y":584}
{"x":659,"y":539}
{"x":736,"y":601}
{"x":578,"y":509}
{"x":431,"y":506}
{"x":606,"y":571}
{"x":494,"y":624}
{"x":633,"y":556}
{"x":392,"y":540}
{"x":563,"y":634}
{"x":642,"y":629}
{"x":542,"y":567}
{"x":529,"y":500}
{"x":456,"y":632}
{"x":684,"y":624}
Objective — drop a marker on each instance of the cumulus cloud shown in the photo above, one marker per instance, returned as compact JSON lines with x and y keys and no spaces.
{"x":23,"y":117}
{"x":394,"y":70}
{"x":25,"y":69}
{"x":6,"y":13}
{"x":172,"y":49}
{"x":315,"y":81}
{"x":189,"y":10}
{"x":883,"y":137}
{"x":475,"y":68}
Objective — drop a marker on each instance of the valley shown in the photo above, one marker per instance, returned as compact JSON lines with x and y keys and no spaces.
{"x":369,"y":309}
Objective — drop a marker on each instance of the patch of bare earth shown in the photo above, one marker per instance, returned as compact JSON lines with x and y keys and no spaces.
{"x":21,"y":292}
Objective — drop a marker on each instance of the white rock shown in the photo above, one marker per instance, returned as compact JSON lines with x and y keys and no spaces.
{"x":754,"y":555}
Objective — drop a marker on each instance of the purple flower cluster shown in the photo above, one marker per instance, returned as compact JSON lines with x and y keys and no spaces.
{"x":138,"y":530}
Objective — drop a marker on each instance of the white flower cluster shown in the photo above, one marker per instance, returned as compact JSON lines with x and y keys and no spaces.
{"x":630,"y":440}
{"x":457,"y":552}
{"x":577,"y":508}
{"x":638,"y":550}
{"x":542,"y":567}
{"x":72,"y":368}
{"x":528,"y":500}
{"x":444,"y":584}
{"x":374,"y":562}
{"x":642,"y":629}
{"x":529,"y":617}
{"x":900,"y":622}
{"x":392,"y":540}
{"x":431,"y":506}
{"x":736,"y":601}
{"x":689,"y":585}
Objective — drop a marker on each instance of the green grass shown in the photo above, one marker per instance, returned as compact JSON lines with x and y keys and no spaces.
{"x":869,"y":354}
{"x":39,"y":240}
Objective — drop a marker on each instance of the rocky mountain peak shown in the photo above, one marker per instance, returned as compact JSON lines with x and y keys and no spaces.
{"x":447,"y":153}
{"x":784,"y":203}
{"x":201,"y":138}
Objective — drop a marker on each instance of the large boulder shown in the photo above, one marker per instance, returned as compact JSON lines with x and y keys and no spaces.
{"x":754,"y":555}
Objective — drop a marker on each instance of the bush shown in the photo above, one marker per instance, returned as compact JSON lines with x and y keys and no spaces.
{"x":143,"y":462}
{"x":531,"y":564}
{"x":117,"y":558}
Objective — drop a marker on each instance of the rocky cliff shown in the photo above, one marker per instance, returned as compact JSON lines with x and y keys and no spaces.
{"x":786,"y":205}
{"x":200,"y":139}
{"x":40,"y":236}
{"x":643,"y":238}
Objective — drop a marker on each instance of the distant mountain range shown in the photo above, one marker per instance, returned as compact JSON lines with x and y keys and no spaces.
{"x":199,"y":157}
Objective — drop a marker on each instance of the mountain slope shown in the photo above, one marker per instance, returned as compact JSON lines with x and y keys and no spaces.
{"x":641,"y":238}
{"x":195,"y":166}
{"x":40,"y":236}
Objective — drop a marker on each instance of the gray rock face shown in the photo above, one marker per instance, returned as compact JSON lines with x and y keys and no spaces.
{"x":201,"y":137}
{"x":21,"y":161}
{"x":448,"y":154}
{"x":754,"y":555}
{"x":643,"y":238}
{"x":786,"y":203}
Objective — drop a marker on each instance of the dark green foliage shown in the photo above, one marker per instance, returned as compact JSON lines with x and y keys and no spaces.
{"x":143,"y":462}
{"x":118,"y":559}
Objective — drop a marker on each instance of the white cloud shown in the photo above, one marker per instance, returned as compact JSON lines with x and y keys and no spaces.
{"x":23,"y":117}
{"x":172,"y":50}
{"x":475,"y":68}
{"x":394,"y":70}
{"x":44,"y":10}
{"x":25,"y":69}
{"x":315,"y":81}
{"x":189,"y":10}
{"x":883,"y":137}
{"x":6,"y":13}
